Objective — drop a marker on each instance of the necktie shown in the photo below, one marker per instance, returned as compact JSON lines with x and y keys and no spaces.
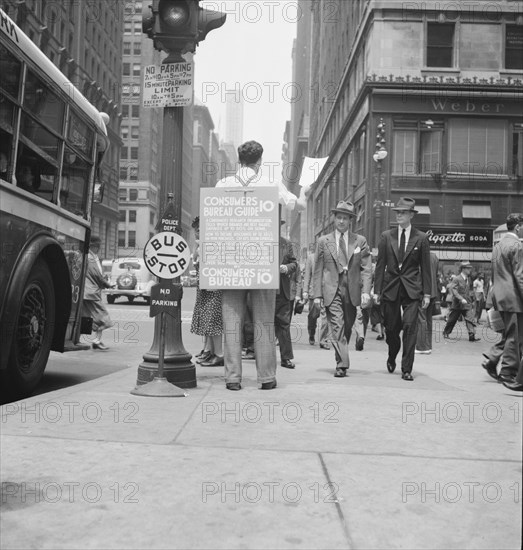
{"x":342,"y":253}
{"x":401,"y":251}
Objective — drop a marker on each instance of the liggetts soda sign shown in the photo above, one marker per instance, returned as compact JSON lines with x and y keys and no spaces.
{"x":459,"y":237}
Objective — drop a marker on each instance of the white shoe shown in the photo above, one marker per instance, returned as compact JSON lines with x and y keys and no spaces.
{"x":423,"y":352}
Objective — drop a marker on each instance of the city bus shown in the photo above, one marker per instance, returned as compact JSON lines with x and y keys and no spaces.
{"x":52,"y":141}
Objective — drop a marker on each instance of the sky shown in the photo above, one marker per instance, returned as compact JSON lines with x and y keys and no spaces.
{"x":252,"y":53}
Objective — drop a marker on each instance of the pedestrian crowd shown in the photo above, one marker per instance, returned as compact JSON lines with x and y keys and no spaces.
{"x":398,"y":291}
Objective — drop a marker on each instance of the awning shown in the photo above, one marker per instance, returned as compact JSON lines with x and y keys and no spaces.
{"x":477,"y":211}
{"x":422,"y":209}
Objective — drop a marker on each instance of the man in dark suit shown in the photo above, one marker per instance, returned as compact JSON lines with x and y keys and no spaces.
{"x":507,"y":298}
{"x":342,"y":279}
{"x":462,"y":302}
{"x":285,"y":302}
{"x":402,"y":280}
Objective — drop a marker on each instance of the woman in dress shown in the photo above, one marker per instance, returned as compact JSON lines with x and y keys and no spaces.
{"x":207,"y":315}
{"x":92,"y":303}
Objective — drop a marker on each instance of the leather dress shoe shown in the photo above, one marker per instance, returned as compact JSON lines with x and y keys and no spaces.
{"x":325,"y":346}
{"x":312,"y":341}
{"x":100,"y":345}
{"x":288,"y":364}
{"x":213,"y":362}
{"x":205,"y":357}
{"x":359,"y":344}
{"x":472,"y":338}
{"x":490,"y":367}
{"x":380,"y":337}
{"x":340,"y":372}
{"x":268,"y":385}
{"x":198,"y":355}
{"x":514,"y":386}
{"x":234,"y":386}
{"x":506,"y":378}
{"x":391,"y":366}
{"x":446,"y":335}
{"x":407,"y":376}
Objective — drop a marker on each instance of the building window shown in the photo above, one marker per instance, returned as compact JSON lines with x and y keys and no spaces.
{"x":127,"y":69}
{"x":133,"y":194}
{"x":138,"y":27}
{"x":122,"y":216}
{"x":131,"y":239}
{"x":136,"y":69}
{"x":517,"y":150}
{"x":128,"y":27}
{"x":135,"y":111}
{"x":477,"y":146}
{"x":125,"y":111}
{"x":514,"y":47}
{"x":124,"y":153}
{"x":127,"y":47}
{"x":124,"y":131}
{"x":417,"y":148}
{"x":134,"y":153}
{"x":122,"y":195}
{"x":135,"y":132}
{"x":476,"y":213}
{"x":133,"y":176}
{"x":121,"y":239}
{"x":123,"y":172}
{"x":137,"y":48}
{"x":132,"y":216}
{"x":440,"y":44}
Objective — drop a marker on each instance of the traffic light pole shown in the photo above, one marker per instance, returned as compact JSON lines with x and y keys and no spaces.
{"x":178,"y":368}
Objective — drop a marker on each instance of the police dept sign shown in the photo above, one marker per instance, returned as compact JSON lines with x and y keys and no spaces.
{"x":239,"y":238}
{"x":167,"y":255}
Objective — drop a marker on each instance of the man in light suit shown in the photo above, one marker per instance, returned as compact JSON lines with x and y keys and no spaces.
{"x":507,"y":298}
{"x":342,"y":280}
{"x":462,"y":302}
{"x":402,"y":281}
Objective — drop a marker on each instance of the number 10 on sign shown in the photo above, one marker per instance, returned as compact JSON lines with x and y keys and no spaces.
{"x":167,"y":255}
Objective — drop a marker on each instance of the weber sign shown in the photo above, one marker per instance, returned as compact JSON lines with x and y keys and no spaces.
{"x":168,"y":85}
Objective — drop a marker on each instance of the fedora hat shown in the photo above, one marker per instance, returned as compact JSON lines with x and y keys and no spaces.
{"x":406,"y":203}
{"x":344,"y":207}
{"x":463,"y":265}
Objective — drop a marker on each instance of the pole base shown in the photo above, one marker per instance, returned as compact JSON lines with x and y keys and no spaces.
{"x":182,"y":375}
{"x":159,"y":387}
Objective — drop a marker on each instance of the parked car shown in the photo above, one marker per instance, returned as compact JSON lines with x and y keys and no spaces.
{"x":191,"y":279}
{"x":131,"y":279}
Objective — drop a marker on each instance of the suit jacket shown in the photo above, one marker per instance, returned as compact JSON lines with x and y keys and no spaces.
{"x":414,"y":273}
{"x":327,"y":268}
{"x":460,"y":290}
{"x":507,"y":274}
{"x":434,"y":262}
{"x":288,"y":258}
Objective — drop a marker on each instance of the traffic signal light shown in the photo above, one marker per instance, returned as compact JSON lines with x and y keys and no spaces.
{"x":178,"y":25}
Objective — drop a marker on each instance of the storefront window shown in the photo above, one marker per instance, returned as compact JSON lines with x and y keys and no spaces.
{"x":477,"y":146}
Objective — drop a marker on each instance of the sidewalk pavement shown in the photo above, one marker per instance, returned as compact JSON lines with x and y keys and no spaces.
{"x":368,"y":461}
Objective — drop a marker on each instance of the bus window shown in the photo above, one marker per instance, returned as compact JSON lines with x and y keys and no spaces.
{"x":5,"y":156}
{"x":46,"y":142}
{"x":10,"y":71}
{"x":75,"y":182}
{"x":40,"y":101}
{"x":34,"y":174}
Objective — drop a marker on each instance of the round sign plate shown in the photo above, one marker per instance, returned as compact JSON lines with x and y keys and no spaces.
{"x":167,"y":255}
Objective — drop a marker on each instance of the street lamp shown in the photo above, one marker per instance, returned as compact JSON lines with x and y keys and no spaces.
{"x":379,"y":156}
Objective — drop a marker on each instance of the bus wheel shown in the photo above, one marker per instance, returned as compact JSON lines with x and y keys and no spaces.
{"x":110,"y":299}
{"x":34,"y":325}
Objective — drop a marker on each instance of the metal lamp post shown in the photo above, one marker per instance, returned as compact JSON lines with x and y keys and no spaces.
{"x":379,"y":156}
